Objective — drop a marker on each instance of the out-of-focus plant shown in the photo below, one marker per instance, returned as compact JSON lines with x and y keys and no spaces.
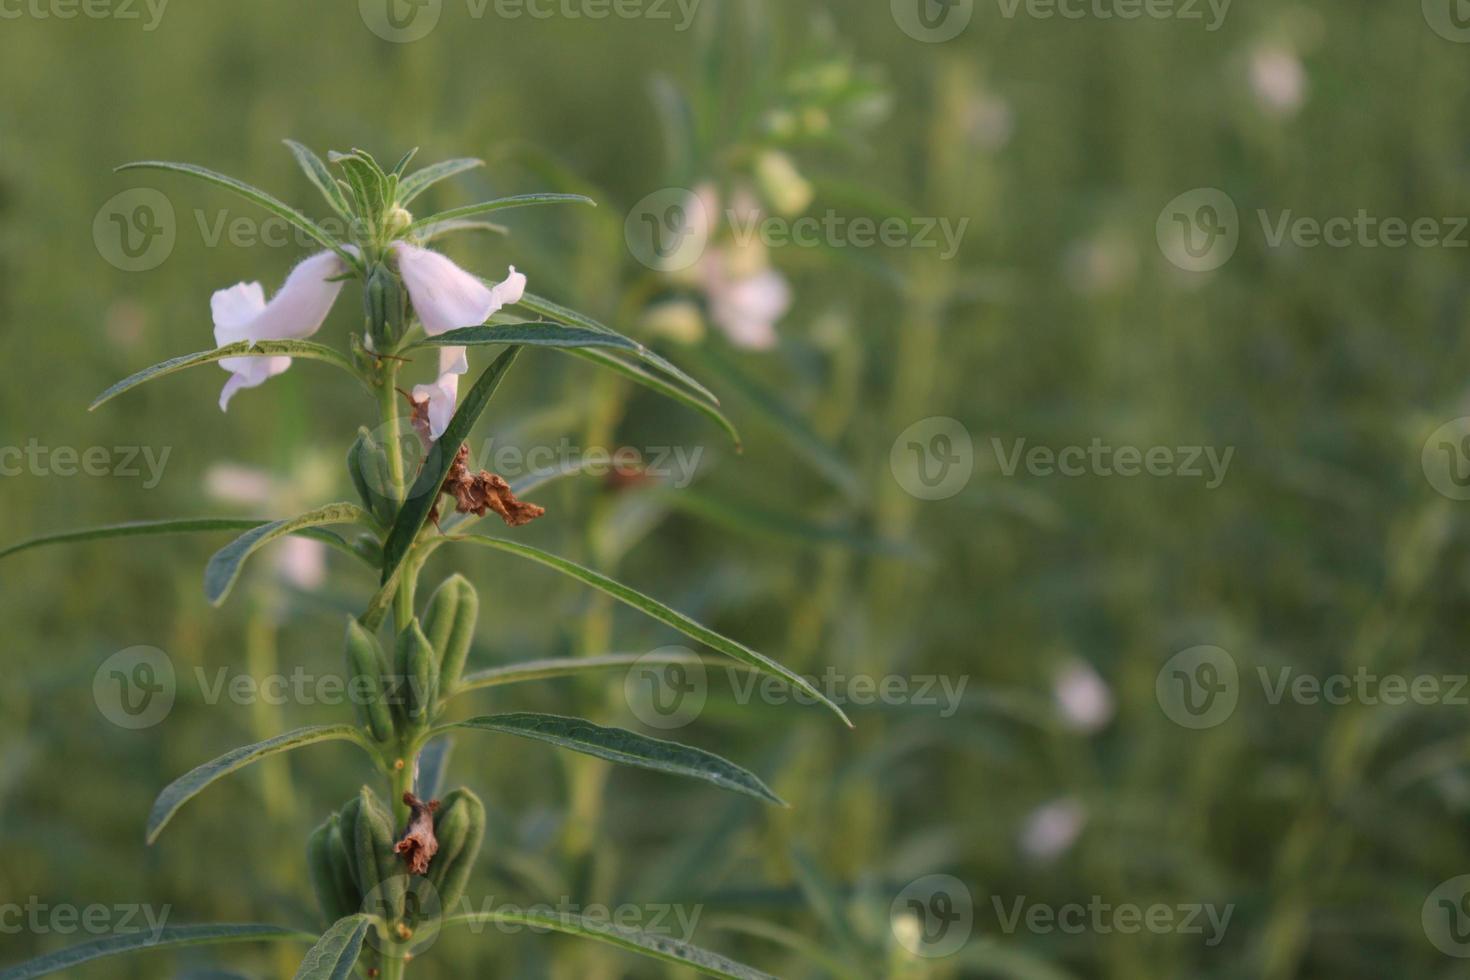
{"x":389,"y":873}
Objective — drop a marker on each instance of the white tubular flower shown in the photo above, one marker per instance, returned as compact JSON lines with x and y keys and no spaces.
{"x":446,"y":297}
{"x":748,"y":308}
{"x":296,"y":311}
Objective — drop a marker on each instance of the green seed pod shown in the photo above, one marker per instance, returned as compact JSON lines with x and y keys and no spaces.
{"x":418,"y":674}
{"x":367,"y":464}
{"x":365,"y":670}
{"x":376,"y":862}
{"x":450,"y":626}
{"x":460,"y":828}
{"x":339,"y":857}
{"x":333,"y":901}
{"x":384,"y":303}
{"x":347,"y":825}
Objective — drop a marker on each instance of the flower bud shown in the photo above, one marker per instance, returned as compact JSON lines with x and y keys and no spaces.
{"x":366,"y":666}
{"x":397,"y":221}
{"x":782,"y":185}
{"x":449,"y":625}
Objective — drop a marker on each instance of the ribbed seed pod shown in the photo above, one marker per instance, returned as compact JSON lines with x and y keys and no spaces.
{"x":339,"y":858}
{"x":460,"y":828}
{"x":450,"y":626}
{"x":367,"y":463}
{"x":385,"y":308}
{"x":379,"y":876}
{"x":418,"y":674}
{"x":329,"y":897}
{"x":347,"y":825}
{"x":365,"y":670}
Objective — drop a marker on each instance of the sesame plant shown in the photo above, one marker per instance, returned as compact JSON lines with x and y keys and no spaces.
{"x":390,"y":866}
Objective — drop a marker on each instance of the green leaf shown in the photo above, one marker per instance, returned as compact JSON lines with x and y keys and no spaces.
{"x":253,"y":194}
{"x":169,"y":937}
{"x":657,"y":610}
{"x":368,"y":183}
{"x":224,"y":567}
{"x":243,"y":348}
{"x":436,"y":231}
{"x":421,"y":180}
{"x":500,"y":204}
{"x":192,"y":783}
{"x":542,"y":670}
{"x":320,"y":177}
{"x":648,"y":379}
{"x":625,"y":748}
{"x":556,"y":311}
{"x":336,"y":953}
{"x":647,"y":944}
{"x":401,"y":166}
{"x":425,"y":491}
{"x":135,"y":529}
{"x":531,"y":335}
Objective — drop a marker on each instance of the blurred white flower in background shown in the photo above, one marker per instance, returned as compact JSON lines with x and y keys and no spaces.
{"x":989,"y":121}
{"x":1103,"y":263}
{"x":1278,"y":79}
{"x":1052,"y":828}
{"x":300,"y":562}
{"x":1083,"y":698}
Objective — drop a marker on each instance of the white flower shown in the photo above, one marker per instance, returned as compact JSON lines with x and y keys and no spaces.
{"x":1083,"y":698}
{"x":1052,"y":829}
{"x":296,"y":311}
{"x":1278,"y":78}
{"x":748,"y":307}
{"x":446,"y":297}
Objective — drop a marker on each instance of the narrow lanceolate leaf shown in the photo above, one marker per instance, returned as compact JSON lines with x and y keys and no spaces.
{"x":224,"y":567}
{"x":657,"y":610}
{"x":134,"y":529}
{"x":556,"y":311}
{"x":646,"y":944}
{"x":336,"y":953}
{"x":646,"y":378}
{"x":415,"y":510}
{"x":625,"y":748}
{"x":169,"y":937}
{"x":321,"y":178}
{"x":438,"y":231}
{"x":244,"y":348}
{"x":189,"y":785}
{"x":421,"y":180}
{"x":531,"y":335}
{"x":545,"y":670}
{"x":500,"y":204}
{"x":255,"y":195}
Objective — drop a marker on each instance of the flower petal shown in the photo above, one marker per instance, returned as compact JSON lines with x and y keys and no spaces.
{"x":443,"y":398}
{"x":747,"y":309}
{"x":446,"y":297}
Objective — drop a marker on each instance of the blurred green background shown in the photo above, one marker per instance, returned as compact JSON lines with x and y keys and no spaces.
{"x":1062,"y":779}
